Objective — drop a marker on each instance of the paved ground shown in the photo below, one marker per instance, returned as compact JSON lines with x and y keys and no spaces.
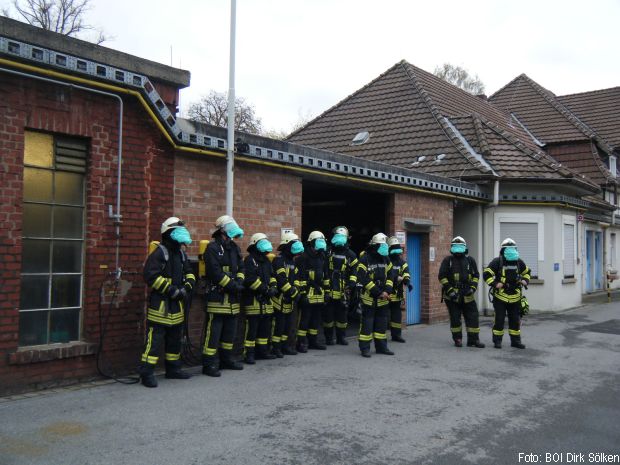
{"x":431,"y":403}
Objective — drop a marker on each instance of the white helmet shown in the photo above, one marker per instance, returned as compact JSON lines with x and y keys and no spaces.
{"x":508,"y":242}
{"x":288,"y":237}
{"x":379,"y":238}
{"x":315,"y":235}
{"x":171,"y":223}
{"x":223,"y":221}
{"x":341,"y":230}
{"x":458,"y":240}
{"x":257,"y":237}
{"x":393,"y":241}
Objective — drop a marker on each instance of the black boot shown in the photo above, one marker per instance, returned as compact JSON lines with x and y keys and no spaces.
{"x":262,"y":353}
{"x":381,"y":347}
{"x":497,"y":342}
{"x":210,"y":368}
{"x":516,"y":342}
{"x":329,"y":336}
{"x":366,"y":353}
{"x":458,"y":342}
{"x":396,"y":337}
{"x":277,"y":351}
{"x":249,"y":357}
{"x":341,"y":337}
{"x":302,"y":344}
{"x":173,"y":371}
{"x":474,"y":342}
{"x":230,"y":364}
{"x":288,"y":350}
{"x":313,"y":343}
{"x":147,"y":375}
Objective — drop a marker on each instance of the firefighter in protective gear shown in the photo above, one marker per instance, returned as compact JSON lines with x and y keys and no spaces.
{"x":374,"y":275}
{"x":506,"y":275}
{"x":168,"y":274}
{"x":459,"y":276}
{"x":260,"y":288}
{"x":313,"y":283}
{"x":225,"y":276}
{"x":283,"y":303}
{"x":402,"y":280}
{"x":341,"y":265}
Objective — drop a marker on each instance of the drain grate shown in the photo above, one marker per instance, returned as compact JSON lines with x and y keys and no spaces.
{"x":608,"y":327}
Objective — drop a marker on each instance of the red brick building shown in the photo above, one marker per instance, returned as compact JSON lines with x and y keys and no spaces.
{"x":72,"y":244}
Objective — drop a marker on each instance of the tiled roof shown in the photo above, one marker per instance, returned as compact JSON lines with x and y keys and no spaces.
{"x":600,"y":110}
{"x":414,"y":118}
{"x":537,"y":109}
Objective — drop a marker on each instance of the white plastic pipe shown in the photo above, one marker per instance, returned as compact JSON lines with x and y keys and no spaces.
{"x":230,"y":154}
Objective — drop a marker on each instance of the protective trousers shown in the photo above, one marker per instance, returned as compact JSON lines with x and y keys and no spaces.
{"x":309,"y":322}
{"x":283,"y":323}
{"x":469,"y":312}
{"x":514,"y":320}
{"x":334,"y":315}
{"x":156,"y":334}
{"x":373,"y":325}
{"x":257,"y":333}
{"x":396,"y":316}
{"x":219,"y":333}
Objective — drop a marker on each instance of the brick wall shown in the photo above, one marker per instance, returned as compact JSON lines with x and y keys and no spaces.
{"x":439,"y":211}
{"x":147,"y":197}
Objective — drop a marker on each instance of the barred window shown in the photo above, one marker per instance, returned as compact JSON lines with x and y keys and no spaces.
{"x":52,"y":239}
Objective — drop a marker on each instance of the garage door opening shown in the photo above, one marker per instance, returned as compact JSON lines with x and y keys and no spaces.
{"x":325,"y":206}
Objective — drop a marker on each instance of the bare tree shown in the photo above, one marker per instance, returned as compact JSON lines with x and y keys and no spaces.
{"x":213,"y":109}
{"x":63,"y":16}
{"x":303,"y":118}
{"x":460,"y":77}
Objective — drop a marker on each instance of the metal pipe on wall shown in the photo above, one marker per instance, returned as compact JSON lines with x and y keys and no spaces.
{"x":230,"y":153}
{"x":116,"y":216}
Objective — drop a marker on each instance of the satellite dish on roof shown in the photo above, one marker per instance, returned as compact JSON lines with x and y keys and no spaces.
{"x":361,"y":138}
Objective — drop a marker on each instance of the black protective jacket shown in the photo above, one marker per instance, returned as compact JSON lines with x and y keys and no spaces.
{"x":223,"y":266}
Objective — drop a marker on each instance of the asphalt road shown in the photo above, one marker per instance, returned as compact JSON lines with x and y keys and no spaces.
{"x":430,"y":404}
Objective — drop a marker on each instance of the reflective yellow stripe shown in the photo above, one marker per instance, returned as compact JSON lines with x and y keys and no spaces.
{"x":173,"y":357}
{"x":286,"y":287}
{"x":328,"y":325}
{"x":379,"y":335}
{"x":456,"y":329}
{"x":395,"y":325}
{"x":313,"y":332}
{"x":151,"y":360}
{"x":276,"y":339}
{"x":341,"y":325}
{"x":369,"y":285}
{"x":205,"y":348}
{"x":262,"y":341}
{"x":249,"y":343}
{"x":472,"y":330}
{"x":301,"y":332}
{"x":444,"y":281}
{"x":362,"y":266}
{"x":497,"y":332}
{"x":224,"y":281}
{"x":256,"y":284}
{"x":159,"y":281}
{"x":226,"y":345}
{"x":514,"y":332}
{"x":365,"y":337}
{"x":240,"y":275}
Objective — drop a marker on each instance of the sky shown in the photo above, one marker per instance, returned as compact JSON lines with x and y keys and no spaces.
{"x":297,"y":58}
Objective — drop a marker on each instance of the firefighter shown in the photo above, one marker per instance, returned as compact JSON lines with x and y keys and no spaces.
{"x":225,"y":276}
{"x":260,"y":288}
{"x":313,"y":283}
{"x":285,"y":272}
{"x":341,"y":265}
{"x":168,"y":273}
{"x":506,"y":275}
{"x":400,"y":268}
{"x":374,"y":275}
{"x":459,"y":276}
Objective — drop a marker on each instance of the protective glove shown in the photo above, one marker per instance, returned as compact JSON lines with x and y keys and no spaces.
{"x":272,"y":292}
{"x":407,"y":283}
{"x":468,"y":291}
{"x":452,"y":295}
{"x":182,"y":294}
{"x":173,"y":292}
{"x":188,"y":287}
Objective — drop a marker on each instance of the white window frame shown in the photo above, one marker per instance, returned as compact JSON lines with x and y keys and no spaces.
{"x":570,"y":220}
{"x":613,"y":168}
{"x":537,"y":218}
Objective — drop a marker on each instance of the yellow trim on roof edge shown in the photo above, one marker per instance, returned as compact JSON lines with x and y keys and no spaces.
{"x":161,"y":127}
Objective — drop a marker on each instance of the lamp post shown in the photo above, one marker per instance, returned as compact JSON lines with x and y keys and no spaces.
{"x":230,"y":154}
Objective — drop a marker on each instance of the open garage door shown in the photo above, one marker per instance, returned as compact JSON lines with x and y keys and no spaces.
{"x":325,"y":206}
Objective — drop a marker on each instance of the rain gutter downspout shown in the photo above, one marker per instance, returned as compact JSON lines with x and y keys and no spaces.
{"x":116,"y":216}
{"x":495,"y":194}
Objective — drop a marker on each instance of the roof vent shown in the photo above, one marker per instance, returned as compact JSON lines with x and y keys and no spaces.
{"x":421,"y":158}
{"x":361,"y":138}
{"x":440,"y":157}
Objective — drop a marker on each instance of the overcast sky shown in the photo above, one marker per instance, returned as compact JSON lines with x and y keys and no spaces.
{"x":299,"y":57}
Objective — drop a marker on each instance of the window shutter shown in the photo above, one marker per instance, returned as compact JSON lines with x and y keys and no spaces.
{"x":569,"y":250}
{"x":71,"y":155}
{"x":526,"y":237}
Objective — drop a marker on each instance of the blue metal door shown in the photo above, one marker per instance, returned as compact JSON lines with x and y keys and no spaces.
{"x":589,"y":260}
{"x":414,"y":259}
